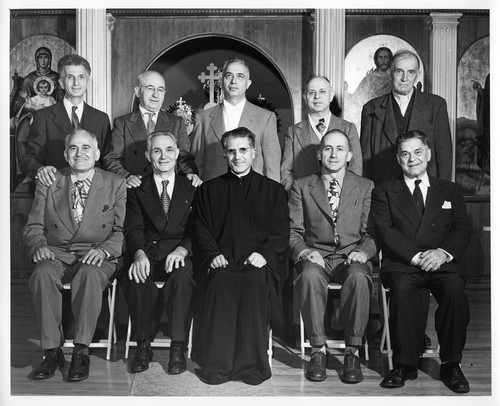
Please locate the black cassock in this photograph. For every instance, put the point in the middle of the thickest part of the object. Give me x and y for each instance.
(236, 217)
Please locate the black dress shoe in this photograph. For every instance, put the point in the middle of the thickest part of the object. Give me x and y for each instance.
(397, 377)
(316, 371)
(79, 368)
(453, 377)
(52, 360)
(352, 368)
(142, 358)
(177, 359)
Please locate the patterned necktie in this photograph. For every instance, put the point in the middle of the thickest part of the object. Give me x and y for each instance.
(151, 123)
(418, 197)
(74, 118)
(321, 126)
(80, 195)
(165, 198)
(333, 197)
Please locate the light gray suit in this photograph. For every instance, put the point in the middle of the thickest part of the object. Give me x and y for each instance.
(301, 145)
(51, 224)
(312, 227)
(207, 149)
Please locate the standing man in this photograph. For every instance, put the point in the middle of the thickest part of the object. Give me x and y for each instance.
(74, 234)
(126, 155)
(241, 227)
(421, 225)
(235, 112)
(159, 249)
(329, 243)
(302, 139)
(45, 142)
(404, 109)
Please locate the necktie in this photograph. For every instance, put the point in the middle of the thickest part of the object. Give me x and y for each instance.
(321, 126)
(151, 123)
(333, 197)
(165, 198)
(418, 197)
(80, 196)
(74, 118)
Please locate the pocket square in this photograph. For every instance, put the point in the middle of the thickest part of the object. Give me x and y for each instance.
(446, 205)
(107, 208)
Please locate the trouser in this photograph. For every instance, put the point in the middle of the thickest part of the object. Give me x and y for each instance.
(142, 297)
(87, 284)
(311, 286)
(407, 317)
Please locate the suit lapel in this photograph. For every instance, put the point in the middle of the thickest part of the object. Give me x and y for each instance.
(162, 121)
(319, 195)
(62, 202)
(402, 198)
(137, 129)
(61, 118)
(178, 203)
(348, 193)
(419, 112)
(148, 194)
(433, 203)
(217, 122)
(385, 114)
(307, 136)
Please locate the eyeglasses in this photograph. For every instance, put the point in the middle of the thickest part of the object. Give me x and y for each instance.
(153, 89)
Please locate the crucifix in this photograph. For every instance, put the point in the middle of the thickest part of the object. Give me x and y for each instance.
(211, 77)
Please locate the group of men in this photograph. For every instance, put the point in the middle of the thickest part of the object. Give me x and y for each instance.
(206, 214)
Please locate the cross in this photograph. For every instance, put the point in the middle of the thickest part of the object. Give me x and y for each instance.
(180, 102)
(211, 77)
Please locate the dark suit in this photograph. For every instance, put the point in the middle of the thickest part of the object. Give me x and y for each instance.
(301, 146)
(51, 224)
(125, 153)
(402, 234)
(379, 132)
(45, 143)
(312, 227)
(147, 229)
(207, 149)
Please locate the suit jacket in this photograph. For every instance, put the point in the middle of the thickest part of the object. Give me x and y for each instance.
(125, 153)
(207, 149)
(51, 222)
(311, 221)
(45, 143)
(400, 232)
(301, 147)
(145, 224)
(379, 133)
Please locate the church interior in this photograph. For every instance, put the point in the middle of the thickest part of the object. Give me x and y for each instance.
(284, 47)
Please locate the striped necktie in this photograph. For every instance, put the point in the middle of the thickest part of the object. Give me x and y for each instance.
(80, 195)
(75, 122)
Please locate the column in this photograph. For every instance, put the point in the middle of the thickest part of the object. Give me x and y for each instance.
(329, 50)
(443, 65)
(91, 43)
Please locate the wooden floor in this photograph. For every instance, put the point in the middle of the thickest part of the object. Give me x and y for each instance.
(112, 378)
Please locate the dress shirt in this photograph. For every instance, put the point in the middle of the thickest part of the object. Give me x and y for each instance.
(232, 114)
(424, 185)
(79, 111)
(145, 116)
(314, 122)
(403, 100)
(159, 185)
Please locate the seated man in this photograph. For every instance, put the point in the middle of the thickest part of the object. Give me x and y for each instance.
(328, 242)
(422, 239)
(158, 249)
(74, 234)
(241, 226)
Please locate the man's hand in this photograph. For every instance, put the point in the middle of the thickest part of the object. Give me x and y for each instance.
(219, 262)
(139, 270)
(195, 179)
(94, 257)
(431, 260)
(356, 257)
(316, 258)
(42, 254)
(133, 181)
(175, 258)
(255, 259)
(46, 175)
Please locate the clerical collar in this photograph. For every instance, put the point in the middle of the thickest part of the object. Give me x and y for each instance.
(73, 177)
(241, 178)
(68, 107)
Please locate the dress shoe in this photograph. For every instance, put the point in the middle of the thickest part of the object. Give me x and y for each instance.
(397, 377)
(316, 371)
(142, 358)
(79, 368)
(352, 368)
(177, 359)
(52, 360)
(452, 376)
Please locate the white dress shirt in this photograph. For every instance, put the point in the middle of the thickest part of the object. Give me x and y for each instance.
(314, 122)
(232, 114)
(403, 100)
(69, 110)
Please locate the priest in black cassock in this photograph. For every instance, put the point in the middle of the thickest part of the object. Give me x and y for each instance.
(241, 236)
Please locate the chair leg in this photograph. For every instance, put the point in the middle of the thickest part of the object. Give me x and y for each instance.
(270, 348)
(386, 335)
(127, 342)
(302, 337)
(111, 327)
(190, 340)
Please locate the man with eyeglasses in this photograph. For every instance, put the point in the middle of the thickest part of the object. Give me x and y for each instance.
(329, 242)
(125, 155)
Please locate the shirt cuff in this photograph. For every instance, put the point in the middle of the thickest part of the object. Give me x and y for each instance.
(303, 254)
(449, 257)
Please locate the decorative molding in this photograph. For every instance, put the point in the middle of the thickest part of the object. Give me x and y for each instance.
(409, 11)
(165, 12)
(110, 22)
(16, 13)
